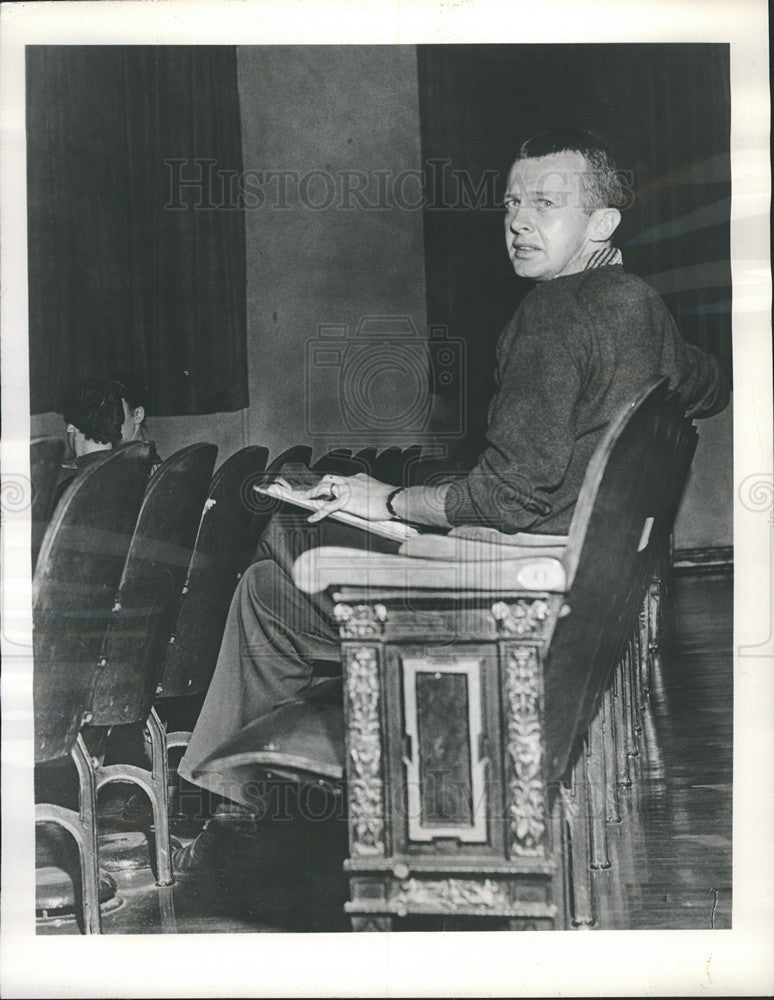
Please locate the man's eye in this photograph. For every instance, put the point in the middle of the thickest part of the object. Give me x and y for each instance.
(545, 203)
(510, 204)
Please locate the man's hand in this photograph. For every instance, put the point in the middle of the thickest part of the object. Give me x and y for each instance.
(358, 494)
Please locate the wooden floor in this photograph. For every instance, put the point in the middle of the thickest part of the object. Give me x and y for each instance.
(671, 854)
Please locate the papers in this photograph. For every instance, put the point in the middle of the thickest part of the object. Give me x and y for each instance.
(395, 530)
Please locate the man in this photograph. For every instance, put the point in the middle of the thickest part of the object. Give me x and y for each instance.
(93, 412)
(91, 409)
(582, 343)
(102, 413)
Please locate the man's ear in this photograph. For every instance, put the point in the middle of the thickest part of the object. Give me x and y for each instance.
(138, 415)
(605, 222)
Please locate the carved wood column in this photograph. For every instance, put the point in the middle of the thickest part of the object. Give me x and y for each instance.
(523, 696)
(363, 721)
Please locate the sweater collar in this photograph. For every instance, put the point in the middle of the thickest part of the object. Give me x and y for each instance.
(605, 257)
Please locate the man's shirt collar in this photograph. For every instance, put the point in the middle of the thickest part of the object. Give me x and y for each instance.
(605, 257)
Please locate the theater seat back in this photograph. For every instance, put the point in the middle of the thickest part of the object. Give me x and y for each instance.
(222, 551)
(74, 588)
(151, 586)
(622, 521)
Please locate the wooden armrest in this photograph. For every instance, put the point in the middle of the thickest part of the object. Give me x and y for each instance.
(328, 566)
(459, 548)
(521, 539)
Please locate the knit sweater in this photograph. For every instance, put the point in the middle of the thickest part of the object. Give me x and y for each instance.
(576, 351)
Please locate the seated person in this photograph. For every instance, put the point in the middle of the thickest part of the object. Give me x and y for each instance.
(102, 413)
(582, 343)
(90, 411)
(94, 414)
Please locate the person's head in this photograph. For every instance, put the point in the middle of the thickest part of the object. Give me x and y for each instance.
(135, 402)
(94, 413)
(562, 203)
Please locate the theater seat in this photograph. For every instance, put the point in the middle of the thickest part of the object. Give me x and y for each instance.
(73, 590)
(302, 740)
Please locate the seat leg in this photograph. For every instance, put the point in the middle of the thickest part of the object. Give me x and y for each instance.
(643, 682)
(628, 668)
(160, 798)
(655, 694)
(167, 910)
(560, 891)
(623, 773)
(595, 780)
(612, 803)
(575, 803)
(640, 653)
(87, 842)
(83, 827)
(653, 599)
(177, 739)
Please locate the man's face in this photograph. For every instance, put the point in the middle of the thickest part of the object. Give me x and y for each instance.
(547, 229)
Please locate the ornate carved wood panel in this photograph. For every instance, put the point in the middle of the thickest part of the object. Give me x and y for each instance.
(523, 708)
(364, 750)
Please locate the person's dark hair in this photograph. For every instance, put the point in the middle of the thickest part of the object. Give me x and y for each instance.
(94, 406)
(602, 184)
(132, 388)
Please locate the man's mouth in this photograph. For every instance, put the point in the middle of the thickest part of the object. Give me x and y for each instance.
(524, 249)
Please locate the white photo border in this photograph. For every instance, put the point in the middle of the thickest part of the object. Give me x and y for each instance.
(645, 963)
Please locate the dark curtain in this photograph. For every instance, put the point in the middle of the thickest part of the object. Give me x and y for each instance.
(665, 110)
(124, 273)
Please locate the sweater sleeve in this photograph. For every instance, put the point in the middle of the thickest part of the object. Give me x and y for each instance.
(703, 387)
(530, 436)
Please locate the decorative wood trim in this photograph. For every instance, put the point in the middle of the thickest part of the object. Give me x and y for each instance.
(524, 617)
(360, 621)
(451, 895)
(526, 799)
(364, 750)
(458, 896)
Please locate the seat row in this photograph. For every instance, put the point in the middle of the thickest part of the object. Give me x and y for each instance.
(131, 591)
(132, 582)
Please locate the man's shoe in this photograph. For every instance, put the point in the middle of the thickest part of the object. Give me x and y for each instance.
(215, 846)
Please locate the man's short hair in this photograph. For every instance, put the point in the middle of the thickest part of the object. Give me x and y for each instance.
(132, 388)
(602, 185)
(94, 406)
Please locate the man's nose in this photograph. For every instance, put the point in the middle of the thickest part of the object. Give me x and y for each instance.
(520, 219)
